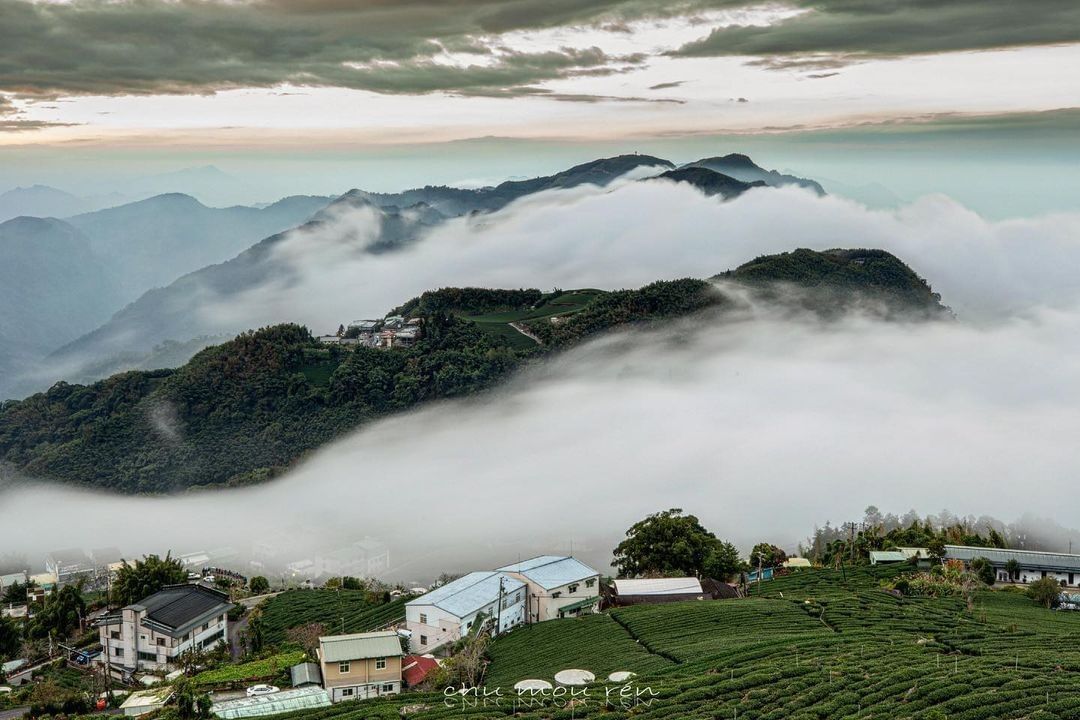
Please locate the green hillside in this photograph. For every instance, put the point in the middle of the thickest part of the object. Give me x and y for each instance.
(341, 611)
(819, 644)
(244, 411)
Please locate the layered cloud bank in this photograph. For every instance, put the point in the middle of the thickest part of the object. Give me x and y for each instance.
(762, 426)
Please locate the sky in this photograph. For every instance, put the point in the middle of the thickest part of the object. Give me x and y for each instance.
(290, 96)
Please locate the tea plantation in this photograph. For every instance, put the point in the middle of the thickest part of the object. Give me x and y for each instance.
(340, 611)
(818, 644)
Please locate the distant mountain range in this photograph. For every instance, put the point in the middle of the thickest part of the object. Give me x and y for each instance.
(242, 412)
(169, 253)
(44, 201)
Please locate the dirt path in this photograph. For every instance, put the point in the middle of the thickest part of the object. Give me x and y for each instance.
(525, 331)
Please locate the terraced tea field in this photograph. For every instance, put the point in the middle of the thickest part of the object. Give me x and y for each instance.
(816, 645)
(340, 611)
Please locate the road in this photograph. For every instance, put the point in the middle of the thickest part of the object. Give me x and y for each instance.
(14, 713)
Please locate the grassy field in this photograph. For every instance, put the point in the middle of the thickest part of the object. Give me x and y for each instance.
(271, 669)
(340, 611)
(815, 645)
(566, 303)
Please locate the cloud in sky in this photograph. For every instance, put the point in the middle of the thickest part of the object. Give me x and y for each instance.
(101, 47)
(834, 32)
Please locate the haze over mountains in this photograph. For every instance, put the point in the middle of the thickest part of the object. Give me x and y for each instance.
(253, 246)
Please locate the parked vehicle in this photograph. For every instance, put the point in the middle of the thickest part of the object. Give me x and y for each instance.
(258, 690)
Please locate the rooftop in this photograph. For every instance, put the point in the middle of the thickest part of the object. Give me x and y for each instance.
(272, 704)
(176, 608)
(887, 556)
(552, 571)
(1034, 559)
(659, 586)
(305, 674)
(469, 593)
(359, 646)
(144, 698)
(416, 667)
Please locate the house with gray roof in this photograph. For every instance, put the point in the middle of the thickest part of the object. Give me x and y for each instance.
(1029, 565)
(494, 600)
(558, 587)
(360, 665)
(152, 633)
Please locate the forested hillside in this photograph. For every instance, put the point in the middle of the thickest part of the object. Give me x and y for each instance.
(244, 411)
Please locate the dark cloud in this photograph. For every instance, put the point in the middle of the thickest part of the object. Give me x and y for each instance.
(198, 46)
(667, 85)
(833, 32)
(10, 122)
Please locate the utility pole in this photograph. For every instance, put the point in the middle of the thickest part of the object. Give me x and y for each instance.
(498, 610)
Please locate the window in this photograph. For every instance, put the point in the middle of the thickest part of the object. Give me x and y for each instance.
(517, 597)
(161, 642)
(423, 639)
(573, 588)
(346, 692)
(590, 582)
(115, 634)
(344, 667)
(556, 595)
(388, 687)
(118, 652)
(423, 618)
(149, 657)
(380, 663)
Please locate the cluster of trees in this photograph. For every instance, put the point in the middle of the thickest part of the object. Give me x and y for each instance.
(836, 280)
(654, 301)
(470, 301)
(137, 580)
(853, 541)
(669, 543)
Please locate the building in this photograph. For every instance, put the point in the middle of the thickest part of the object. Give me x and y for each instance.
(304, 698)
(10, 579)
(1030, 565)
(68, 566)
(416, 669)
(449, 612)
(145, 701)
(362, 665)
(154, 632)
(886, 557)
(643, 591)
(305, 674)
(557, 587)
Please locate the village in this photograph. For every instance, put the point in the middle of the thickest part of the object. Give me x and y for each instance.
(243, 649)
(393, 331)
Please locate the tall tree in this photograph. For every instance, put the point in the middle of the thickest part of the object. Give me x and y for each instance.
(767, 555)
(10, 638)
(146, 577)
(667, 543)
(62, 613)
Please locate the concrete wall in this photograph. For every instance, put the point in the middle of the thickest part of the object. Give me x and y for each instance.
(364, 679)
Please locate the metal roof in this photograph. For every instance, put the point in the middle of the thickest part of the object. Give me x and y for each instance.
(360, 646)
(1033, 559)
(147, 698)
(176, 608)
(552, 571)
(659, 586)
(467, 594)
(305, 674)
(272, 704)
(877, 556)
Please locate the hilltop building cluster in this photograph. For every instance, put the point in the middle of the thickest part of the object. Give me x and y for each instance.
(391, 332)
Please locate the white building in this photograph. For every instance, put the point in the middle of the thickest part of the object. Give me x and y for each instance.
(153, 633)
(1031, 565)
(448, 613)
(69, 565)
(558, 587)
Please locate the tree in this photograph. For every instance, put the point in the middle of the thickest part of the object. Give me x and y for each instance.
(1045, 591)
(190, 704)
(306, 636)
(1013, 568)
(723, 561)
(61, 614)
(767, 555)
(146, 577)
(665, 543)
(984, 570)
(10, 639)
(936, 548)
(259, 585)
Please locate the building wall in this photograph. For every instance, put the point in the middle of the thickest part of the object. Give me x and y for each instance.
(543, 606)
(364, 679)
(443, 627)
(124, 641)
